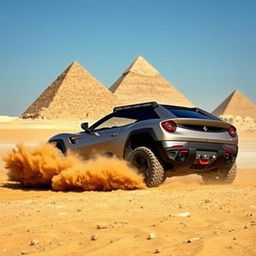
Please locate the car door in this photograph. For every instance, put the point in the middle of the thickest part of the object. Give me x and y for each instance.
(102, 137)
(98, 142)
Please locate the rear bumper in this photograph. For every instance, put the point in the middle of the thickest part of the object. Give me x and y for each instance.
(196, 157)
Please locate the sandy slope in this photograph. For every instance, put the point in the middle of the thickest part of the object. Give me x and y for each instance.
(43, 222)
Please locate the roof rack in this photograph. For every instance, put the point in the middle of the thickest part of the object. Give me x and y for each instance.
(139, 105)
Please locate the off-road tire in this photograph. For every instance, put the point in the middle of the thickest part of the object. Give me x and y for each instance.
(226, 175)
(145, 161)
(164, 178)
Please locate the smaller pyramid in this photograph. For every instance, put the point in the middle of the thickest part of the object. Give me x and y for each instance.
(141, 82)
(75, 94)
(236, 104)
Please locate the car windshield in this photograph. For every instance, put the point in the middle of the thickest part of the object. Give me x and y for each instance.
(187, 113)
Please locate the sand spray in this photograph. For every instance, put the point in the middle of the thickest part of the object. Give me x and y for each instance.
(45, 166)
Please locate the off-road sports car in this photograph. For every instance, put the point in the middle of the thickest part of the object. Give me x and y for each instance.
(161, 141)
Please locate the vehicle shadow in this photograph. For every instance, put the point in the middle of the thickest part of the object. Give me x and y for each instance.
(19, 186)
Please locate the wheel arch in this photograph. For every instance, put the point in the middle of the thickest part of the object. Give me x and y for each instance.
(142, 137)
(59, 144)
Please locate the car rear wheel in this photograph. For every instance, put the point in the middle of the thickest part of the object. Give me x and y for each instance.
(145, 161)
(225, 175)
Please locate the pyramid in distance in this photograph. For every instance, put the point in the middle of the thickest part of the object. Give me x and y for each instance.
(236, 104)
(75, 94)
(141, 82)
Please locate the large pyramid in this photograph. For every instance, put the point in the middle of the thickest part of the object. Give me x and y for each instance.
(236, 104)
(75, 94)
(141, 82)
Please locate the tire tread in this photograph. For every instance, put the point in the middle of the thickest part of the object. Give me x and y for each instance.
(157, 171)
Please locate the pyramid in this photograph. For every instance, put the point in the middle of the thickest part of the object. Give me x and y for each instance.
(75, 94)
(236, 104)
(141, 82)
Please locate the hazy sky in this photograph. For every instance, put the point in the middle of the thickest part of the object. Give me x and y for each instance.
(206, 48)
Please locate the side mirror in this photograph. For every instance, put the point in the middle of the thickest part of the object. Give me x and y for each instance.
(85, 126)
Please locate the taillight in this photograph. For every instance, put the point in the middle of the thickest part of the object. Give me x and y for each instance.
(232, 131)
(169, 126)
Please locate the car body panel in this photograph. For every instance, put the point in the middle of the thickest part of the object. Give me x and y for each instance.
(203, 133)
(99, 142)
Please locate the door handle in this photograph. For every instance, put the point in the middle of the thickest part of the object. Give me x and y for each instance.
(114, 135)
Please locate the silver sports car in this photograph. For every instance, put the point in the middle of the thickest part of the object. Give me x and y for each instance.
(160, 141)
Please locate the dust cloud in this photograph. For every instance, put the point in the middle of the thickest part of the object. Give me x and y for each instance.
(44, 166)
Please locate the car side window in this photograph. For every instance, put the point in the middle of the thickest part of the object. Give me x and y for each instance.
(124, 117)
(115, 122)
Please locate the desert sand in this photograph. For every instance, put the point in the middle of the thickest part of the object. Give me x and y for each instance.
(180, 217)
